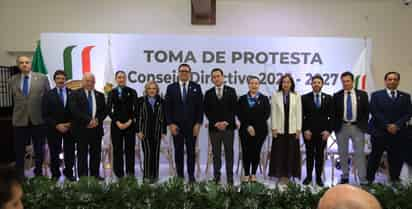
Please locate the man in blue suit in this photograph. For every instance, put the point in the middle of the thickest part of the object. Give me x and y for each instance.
(184, 116)
(390, 109)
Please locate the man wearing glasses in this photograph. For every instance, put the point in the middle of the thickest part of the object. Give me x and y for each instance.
(184, 116)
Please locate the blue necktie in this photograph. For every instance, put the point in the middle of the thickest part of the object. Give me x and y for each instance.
(349, 107)
(61, 96)
(184, 93)
(90, 102)
(317, 101)
(26, 86)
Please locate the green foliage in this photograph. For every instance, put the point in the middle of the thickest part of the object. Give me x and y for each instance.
(88, 193)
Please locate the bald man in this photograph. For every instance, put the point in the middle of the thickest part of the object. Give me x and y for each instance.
(89, 110)
(345, 196)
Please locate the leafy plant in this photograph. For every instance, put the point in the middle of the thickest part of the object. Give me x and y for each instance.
(128, 193)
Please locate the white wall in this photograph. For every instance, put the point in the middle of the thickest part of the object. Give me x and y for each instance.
(387, 22)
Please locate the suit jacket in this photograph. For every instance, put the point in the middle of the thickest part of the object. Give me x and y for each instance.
(223, 109)
(28, 107)
(362, 107)
(385, 111)
(79, 108)
(185, 115)
(278, 114)
(151, 120)
(256, 116)
(54, 111)
(123, 108)
(317, 119)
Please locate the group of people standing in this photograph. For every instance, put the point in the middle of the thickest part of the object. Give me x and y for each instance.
(75, 118)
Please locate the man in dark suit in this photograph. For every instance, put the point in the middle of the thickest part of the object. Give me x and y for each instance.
(351, 122)
(57, 115)
(28, 89)
(88, 109)
(317, 126)
(184, 115)
(391, 110)
(220, 109)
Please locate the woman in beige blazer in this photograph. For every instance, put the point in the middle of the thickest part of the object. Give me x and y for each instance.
(285, 159)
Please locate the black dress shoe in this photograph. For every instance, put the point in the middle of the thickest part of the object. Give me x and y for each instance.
(70, 178)
(319, 182)
(230, 181)
(344, 181)
(216, 180)
(192, 180)
(99, 178)
(307, 181)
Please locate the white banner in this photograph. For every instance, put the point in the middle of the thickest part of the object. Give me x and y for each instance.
(146, 57)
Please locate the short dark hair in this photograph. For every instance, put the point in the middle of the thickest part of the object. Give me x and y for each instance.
(8, 179)
(59, 72)
(287, 75)
(393, 72)
(317, 76)
(347, 73)
(184, 65)
(119, 72)
(216, 70)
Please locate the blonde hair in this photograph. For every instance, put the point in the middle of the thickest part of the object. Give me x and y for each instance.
(147, 85)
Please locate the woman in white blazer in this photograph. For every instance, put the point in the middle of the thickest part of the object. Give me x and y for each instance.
(285, 159)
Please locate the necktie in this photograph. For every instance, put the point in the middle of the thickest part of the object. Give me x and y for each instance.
(90, 102)
(219, 92)
(317, 101)
(349, 107)
(26, 86)
(184, 93)
(393, 95)
(61, 96)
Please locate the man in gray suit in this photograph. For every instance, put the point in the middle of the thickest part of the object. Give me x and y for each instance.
(28, 89)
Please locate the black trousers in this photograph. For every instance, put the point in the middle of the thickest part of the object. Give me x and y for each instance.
(89, 147)
(315, 152)
(392, 144)
(251, 148)
(123, 142)
(217, 138)
(55, 139)
(179, 142)
(24, 136)
(151, 151)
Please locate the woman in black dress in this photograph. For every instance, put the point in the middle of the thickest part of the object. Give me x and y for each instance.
(151, 128)
(253, 112)
(285, 159)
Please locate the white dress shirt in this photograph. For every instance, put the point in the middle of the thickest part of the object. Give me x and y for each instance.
(389, 93)
(94, 102)
(354, 103)
(217, 90)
